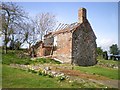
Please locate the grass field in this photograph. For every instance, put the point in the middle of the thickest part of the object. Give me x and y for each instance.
(103, 71)
(110, 73)
(19, 58)
(16, 78)
(101, 60)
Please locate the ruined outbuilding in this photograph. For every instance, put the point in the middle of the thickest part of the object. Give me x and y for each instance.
(74, 43)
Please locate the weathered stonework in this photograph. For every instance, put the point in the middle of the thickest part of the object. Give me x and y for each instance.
(75, 44)
(63, 51)
(84, 46)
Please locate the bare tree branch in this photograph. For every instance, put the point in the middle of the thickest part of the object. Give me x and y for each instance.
(45, 23)
(12, 17)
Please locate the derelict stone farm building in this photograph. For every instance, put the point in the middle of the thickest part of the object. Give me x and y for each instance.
(74, 43)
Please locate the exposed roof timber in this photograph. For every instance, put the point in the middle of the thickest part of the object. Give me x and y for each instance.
(61, 26)
(58, 26)
(73, 24)
(64, 26)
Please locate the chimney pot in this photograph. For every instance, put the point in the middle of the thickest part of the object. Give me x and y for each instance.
(82, 15)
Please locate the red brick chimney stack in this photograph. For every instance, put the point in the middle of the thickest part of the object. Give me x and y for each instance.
(82, 15)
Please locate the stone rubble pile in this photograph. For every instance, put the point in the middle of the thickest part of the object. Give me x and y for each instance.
(115, 66)
(47, 71)
(41, 70)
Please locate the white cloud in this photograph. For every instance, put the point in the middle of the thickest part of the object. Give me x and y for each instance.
(105, 43)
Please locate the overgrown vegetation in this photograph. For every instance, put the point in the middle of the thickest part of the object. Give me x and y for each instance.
(44, 60)
(18, 57)
(15, 57)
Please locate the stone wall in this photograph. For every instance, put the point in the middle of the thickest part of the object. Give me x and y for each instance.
(45, 48)
(84, 46)
(74, 45)
(82, 15)
(40, 52)
(64, 45)
(45, 51)
(48, 41)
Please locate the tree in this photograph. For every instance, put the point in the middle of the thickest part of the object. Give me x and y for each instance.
(99, 51)
(12, 17)
(119, 51)
(105, 55)
(114, 49)
(45, 23)
(30, 35)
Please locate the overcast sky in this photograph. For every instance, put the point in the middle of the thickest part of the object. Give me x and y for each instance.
(103, 17)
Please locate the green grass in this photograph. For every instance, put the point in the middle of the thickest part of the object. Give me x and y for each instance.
(16, 78)
(101, 60)
(110, 73)
(107, 61)
(15, 58)
(44, 60)
(0, 75)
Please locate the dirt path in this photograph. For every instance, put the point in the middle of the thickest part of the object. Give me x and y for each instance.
(110, 83)
(95, 78)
